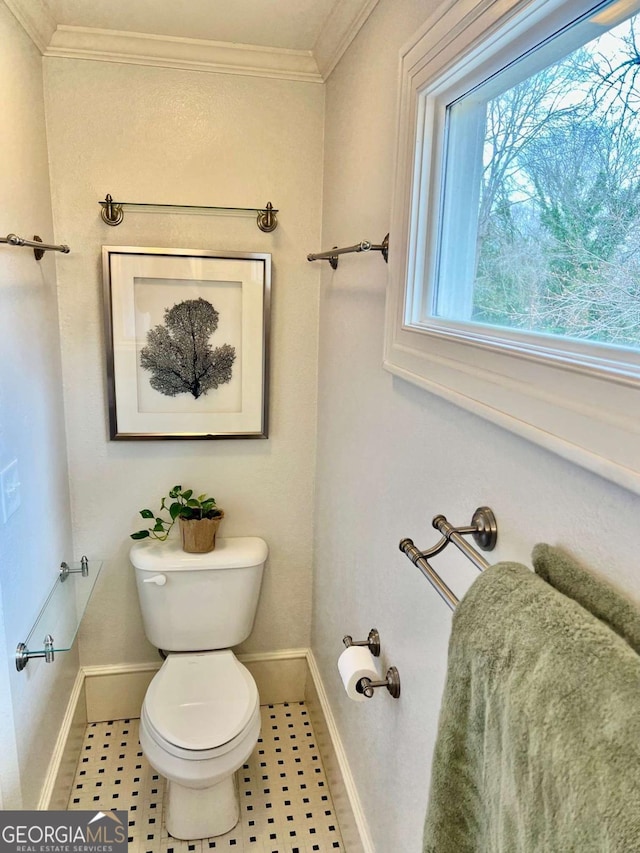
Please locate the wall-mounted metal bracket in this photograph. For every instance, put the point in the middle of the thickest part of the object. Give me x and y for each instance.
(23, 655)
(392, 682)
(65, 571)
(39, 248)
(111, 212)
(362, 246)
(38, 254)
(267, 219)
(372, 641)
(483, 529)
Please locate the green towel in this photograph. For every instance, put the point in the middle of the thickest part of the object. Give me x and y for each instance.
(538, 748)
(592, 592)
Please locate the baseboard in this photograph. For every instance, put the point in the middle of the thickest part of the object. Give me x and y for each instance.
(116, 692)
(66, 754)
(353, 824)
(281, 676)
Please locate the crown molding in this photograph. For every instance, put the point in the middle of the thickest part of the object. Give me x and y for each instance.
(341, 27)
(184, 53)
(35, 19)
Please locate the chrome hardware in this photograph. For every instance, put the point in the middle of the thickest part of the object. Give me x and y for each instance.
(65, 571)
(384, 249)
(38, 254)
(48, 649)
(373, 642)
(112, 212)
(62, 612)
(158, 580)
(362, 246)
(483, 528)
(267, 219)
(392, 682)
(486, 532)
(417, 558)
(39, 248)
(23, 655)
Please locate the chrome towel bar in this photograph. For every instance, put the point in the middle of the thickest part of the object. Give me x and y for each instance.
(484, 530)
(39, 248)
(363, 246)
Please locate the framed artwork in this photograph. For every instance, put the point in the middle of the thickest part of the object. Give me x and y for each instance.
(187, 334)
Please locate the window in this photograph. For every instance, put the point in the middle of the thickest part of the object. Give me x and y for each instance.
(515, 263)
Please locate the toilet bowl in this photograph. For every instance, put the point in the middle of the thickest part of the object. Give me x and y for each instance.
(200, 722)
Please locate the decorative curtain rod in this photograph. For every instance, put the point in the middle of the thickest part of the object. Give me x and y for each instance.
(483, 528)
(363, 246)
(39, 248)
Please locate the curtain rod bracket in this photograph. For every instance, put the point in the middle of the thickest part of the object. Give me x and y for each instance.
(362, 246)
(39, 248)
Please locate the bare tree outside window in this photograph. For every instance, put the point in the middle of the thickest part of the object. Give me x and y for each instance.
(179, 356)
(558, 227)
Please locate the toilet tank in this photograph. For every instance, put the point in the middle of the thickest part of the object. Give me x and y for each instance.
(195, 602)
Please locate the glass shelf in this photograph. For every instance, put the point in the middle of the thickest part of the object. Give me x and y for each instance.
(57, 625)
(112, 212)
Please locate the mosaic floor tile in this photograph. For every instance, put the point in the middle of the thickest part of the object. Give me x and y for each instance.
(285, 801)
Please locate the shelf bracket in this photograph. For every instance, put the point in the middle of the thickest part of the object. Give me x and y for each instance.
(267, 219)
(111, 212)
(65, 571)
(23, 655)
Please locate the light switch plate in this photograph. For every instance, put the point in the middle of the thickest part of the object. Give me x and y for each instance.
(10, 489)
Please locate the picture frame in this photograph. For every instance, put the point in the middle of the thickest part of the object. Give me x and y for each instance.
(187, 340)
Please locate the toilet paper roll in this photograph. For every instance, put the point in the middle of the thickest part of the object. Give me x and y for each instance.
(355, 663)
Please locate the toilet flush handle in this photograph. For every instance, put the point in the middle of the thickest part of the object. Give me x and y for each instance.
(158, 580)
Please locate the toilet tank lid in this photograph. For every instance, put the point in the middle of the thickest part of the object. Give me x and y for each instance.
(237, 553)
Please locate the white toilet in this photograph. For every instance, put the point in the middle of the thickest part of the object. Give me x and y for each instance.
(200, 717)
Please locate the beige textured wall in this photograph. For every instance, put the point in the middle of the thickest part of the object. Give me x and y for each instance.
(391, 456)
(161, 135)
(35, 540)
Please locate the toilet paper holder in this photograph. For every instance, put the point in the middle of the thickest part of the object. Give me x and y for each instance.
(366, 686)
(372, 641)
(392, 683)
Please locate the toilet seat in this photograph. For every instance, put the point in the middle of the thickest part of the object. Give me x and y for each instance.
(200, 705)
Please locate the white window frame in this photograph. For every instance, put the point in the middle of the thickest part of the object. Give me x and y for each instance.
(578, 405)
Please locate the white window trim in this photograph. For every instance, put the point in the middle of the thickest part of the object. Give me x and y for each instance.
(570, 407)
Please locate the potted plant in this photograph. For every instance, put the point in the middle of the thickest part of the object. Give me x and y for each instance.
(198, 518)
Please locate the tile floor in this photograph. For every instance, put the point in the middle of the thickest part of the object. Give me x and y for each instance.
(285, 802)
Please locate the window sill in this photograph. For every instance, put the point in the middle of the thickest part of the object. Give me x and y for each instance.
(583, 418)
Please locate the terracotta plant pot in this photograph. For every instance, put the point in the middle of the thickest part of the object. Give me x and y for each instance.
(199, 534)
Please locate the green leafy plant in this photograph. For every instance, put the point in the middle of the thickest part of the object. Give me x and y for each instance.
(179, 504)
